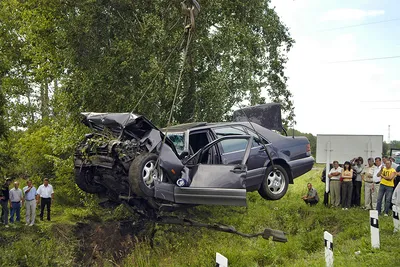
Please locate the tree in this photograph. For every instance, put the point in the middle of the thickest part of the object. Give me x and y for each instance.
(121, 51)
(60, 58)
(311, 138)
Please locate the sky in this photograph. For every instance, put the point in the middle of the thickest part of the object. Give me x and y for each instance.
(332, 95)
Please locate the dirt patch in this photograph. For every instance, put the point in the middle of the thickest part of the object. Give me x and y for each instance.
(108, 242)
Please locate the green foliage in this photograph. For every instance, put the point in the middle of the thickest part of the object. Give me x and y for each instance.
(311, 138)
(31, 151)
(80, 55)
(47, 246)
(304, 225)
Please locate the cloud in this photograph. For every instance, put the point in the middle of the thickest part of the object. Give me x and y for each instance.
(350, 14)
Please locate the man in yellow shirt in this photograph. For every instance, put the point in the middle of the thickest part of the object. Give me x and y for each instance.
(386, 186)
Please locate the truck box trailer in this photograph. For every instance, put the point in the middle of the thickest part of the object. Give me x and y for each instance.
(339, 147)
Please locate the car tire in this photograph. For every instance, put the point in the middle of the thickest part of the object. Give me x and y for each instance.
(84, 180)
(275, 183)
(142, 173)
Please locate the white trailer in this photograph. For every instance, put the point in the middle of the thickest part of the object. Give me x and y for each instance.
(338, 147)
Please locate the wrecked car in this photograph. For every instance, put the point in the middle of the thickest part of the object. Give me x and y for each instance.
(127, 158)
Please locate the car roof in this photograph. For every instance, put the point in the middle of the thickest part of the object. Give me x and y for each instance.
(200, 125)
(269, 134)
(185, 126)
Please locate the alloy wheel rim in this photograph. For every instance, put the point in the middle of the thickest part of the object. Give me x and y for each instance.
(151, 173)
(276, 182)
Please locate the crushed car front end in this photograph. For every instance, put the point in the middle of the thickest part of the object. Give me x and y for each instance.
(105, 159)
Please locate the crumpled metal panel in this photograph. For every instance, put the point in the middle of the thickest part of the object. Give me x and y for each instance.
(109, 119)
(267, 115)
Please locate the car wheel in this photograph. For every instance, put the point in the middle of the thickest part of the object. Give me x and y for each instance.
(142, 173)
(84, 180)
(275, 183)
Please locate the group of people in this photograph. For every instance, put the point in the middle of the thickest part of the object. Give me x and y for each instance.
(29, 197)
(379, 176)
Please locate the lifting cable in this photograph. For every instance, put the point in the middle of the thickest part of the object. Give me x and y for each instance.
(244, 113)
(159, 71)
(188, 28)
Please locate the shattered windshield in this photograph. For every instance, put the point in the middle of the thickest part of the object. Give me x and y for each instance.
(178, 138)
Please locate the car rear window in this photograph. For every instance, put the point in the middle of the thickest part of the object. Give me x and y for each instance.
(232, 145)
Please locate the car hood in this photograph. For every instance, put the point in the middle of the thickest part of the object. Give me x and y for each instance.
(136, 125)
(267, 115)
(111, 120)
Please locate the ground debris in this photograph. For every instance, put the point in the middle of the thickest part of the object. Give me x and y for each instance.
(107, 242)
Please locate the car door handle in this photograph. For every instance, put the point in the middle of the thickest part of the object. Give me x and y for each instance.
(239, 169)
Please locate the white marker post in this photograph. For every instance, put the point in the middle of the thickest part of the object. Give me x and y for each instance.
(396, 221)
(373, 214)
(328, 249)
(327, 166)
(220, 260)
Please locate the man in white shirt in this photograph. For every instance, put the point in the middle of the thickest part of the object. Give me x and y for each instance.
(46, 194)
(334, 183)
(15, 200)
(377, 180)
(30, 203)
(367, 177)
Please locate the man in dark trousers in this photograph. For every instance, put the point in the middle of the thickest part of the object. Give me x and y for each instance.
(312, 196)
(46, 194)
(4, 199)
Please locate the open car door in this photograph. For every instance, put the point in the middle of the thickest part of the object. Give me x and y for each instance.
(212, 184)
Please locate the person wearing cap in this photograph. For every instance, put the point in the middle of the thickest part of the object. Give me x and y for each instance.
(30, 203)
(4, 198)
(46, 194)
(15, 200)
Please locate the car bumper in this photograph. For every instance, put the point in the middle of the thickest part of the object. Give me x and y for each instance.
(301, 166)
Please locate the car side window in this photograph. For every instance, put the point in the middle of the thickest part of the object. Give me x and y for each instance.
(256, 140)
(231, 145)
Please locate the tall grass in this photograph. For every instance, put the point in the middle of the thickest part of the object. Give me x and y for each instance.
(56, 243)
(304, 225)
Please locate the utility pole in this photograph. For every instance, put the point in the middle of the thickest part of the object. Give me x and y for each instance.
(389, 137)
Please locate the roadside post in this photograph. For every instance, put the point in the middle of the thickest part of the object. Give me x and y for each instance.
(374, 221)
(220, 260)
(328, 249)
(327, 169)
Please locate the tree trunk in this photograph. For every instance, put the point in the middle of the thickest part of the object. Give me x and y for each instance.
(44, 100)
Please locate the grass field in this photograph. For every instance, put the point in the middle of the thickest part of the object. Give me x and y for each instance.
(63, 242)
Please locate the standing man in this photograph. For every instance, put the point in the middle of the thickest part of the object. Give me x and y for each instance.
(334, 184)
(367, 177)
(387, 175)
(30, 203)
(377, 180)
(46, 194)
(15, 199)
(312, 196)
(4, 198)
